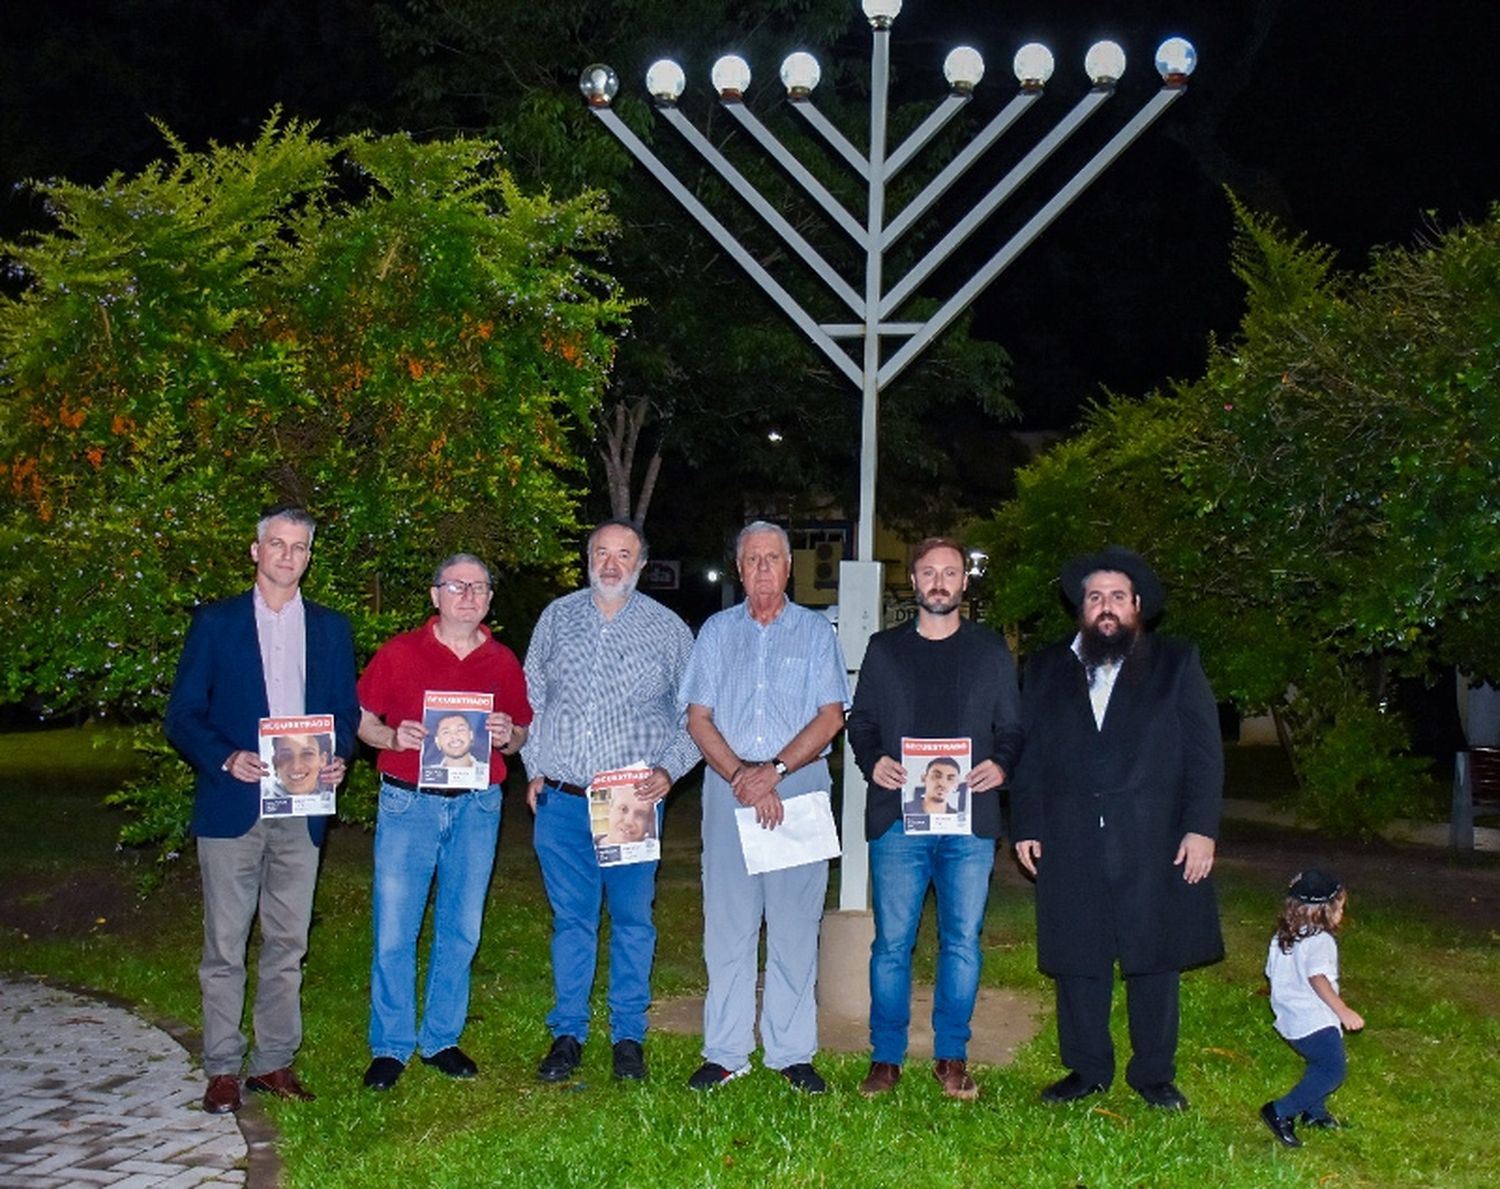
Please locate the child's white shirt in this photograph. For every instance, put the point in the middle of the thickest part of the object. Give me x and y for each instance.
(1299, 1011)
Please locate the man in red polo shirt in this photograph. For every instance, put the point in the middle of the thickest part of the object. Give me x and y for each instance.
(448, 832)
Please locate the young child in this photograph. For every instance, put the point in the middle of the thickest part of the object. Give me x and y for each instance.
(1303, 968)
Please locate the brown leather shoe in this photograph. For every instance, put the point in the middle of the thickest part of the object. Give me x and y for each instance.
(281, 1082)
(955, 1078)
(223, 1094)
(883, 1076)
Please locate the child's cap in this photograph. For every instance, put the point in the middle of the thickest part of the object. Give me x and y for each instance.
(1314, 887)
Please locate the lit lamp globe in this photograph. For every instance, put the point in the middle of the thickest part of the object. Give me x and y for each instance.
(963, 68)
(800, 73)
(881, 12)
(1033, 66)
(599, 83)
(1104, 63)
(1175, 60)
(731, 77)
(665, 81)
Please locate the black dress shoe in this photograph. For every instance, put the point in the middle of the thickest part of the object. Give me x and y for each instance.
(383, 1073)
(1325, 1121)
(804, 1077)
(1281, 1128)
(452, 1061)
(561, 1060)
(1165, 1095)
(630, 1061)
(1071, 1088)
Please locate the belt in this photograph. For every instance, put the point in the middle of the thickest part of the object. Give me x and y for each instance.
(430, 791)
(562, 786)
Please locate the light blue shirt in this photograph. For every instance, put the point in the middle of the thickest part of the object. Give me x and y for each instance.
(604, 692)
(764, 683)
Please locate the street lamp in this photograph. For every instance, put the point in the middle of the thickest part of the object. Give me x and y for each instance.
(872, 303)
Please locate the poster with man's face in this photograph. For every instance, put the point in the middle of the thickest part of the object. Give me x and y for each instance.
(456, 748)
(935, 798)
(296, 750)
(625, 828)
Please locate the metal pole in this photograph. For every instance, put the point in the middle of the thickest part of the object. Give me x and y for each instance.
(860, 585)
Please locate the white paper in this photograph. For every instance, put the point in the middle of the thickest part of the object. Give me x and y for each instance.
(806, 834)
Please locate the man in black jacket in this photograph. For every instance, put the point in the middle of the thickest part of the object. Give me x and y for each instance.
(938, 677)
(1115, 807)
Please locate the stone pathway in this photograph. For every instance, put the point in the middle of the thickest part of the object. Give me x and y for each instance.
(91, 1094)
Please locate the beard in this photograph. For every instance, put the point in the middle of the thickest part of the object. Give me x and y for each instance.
(938, 602)
(1100, 649)
(614, 591)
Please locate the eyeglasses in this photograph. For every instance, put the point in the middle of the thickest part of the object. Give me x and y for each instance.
(478, 589)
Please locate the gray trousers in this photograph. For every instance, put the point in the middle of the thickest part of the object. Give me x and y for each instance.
(735, 903)
(271, 869)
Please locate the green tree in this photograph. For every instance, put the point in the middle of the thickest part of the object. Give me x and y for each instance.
(1324, 502)
(392, 333)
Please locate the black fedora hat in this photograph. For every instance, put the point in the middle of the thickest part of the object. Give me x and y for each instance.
(1121, 560)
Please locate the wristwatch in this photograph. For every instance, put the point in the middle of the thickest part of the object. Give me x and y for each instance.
(780, 765)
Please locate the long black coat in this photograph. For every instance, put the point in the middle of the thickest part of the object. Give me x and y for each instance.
(1110, 807)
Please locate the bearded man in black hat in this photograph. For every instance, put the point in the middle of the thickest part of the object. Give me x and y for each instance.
(1115, 807)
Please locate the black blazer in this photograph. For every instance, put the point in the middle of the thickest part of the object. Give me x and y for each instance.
(989, 714)
(1154, 772)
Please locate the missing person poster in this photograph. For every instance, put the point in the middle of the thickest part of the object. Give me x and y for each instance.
(456, 751)
(936, 797)
(296, 750)
(625, 828)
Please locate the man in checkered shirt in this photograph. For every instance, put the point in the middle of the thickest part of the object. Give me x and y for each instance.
(602, 674)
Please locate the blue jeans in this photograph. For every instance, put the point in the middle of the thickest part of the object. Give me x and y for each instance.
(902, 866)
(419, 836)
(576, 887)
(1323, 1051)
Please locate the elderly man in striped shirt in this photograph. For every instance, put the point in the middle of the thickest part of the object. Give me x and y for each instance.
(602, 672)
(766, 693)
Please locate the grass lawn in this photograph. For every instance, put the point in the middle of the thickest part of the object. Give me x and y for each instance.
(1422, 1079)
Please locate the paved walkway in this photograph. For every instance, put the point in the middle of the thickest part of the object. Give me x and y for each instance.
(91, 1094)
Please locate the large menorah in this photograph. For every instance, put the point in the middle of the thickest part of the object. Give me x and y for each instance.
(874, 308)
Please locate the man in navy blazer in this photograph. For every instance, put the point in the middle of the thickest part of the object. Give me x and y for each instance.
(265, 653)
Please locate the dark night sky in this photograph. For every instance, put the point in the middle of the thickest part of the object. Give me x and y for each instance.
(1356, 123)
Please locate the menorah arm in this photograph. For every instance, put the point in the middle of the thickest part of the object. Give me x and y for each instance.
(956, 168)
(800, 173)
(987, 205)
(836, 139)
(788, 304)
(930, 127)
(1034, 227)
(774, 218)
